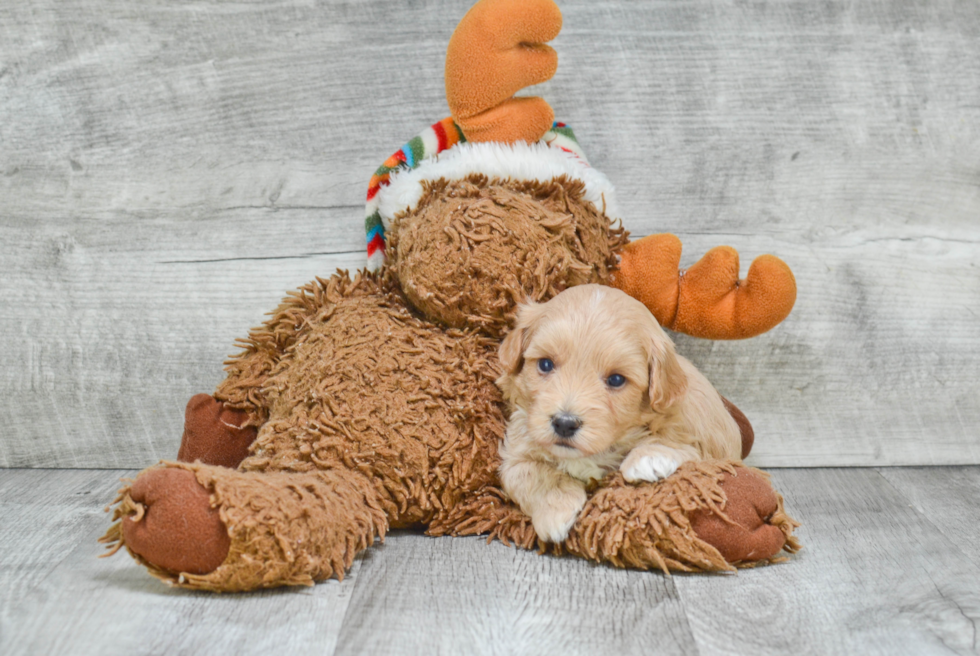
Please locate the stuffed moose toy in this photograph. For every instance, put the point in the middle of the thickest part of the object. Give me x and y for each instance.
(369, 403)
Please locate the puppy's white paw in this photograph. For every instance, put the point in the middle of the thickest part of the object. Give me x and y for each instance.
(554, 519)
(649, 468)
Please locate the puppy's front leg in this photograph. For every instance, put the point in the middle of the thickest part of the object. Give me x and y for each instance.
(650, 461)
(551, 498)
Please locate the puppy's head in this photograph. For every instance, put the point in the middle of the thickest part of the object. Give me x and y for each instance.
(586, 369)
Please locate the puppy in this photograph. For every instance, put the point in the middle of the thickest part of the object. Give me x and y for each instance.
(594, 384)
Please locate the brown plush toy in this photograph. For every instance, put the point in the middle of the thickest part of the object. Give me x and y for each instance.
(367, 404)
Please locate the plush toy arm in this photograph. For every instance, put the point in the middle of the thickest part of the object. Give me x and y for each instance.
(219, 429)
(708, 300)
(265, 345)
(707, 516)
(497, 50)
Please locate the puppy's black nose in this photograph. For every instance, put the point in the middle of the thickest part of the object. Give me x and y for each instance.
(565, 425)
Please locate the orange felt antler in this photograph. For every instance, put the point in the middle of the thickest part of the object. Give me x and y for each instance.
(708, 300)
(497, 50)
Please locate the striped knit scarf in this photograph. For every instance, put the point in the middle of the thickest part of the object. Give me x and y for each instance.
(433, 140)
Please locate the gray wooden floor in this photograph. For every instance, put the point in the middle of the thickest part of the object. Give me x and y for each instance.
(891, 566)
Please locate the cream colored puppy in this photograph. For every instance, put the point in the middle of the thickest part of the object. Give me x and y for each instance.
(594, 384)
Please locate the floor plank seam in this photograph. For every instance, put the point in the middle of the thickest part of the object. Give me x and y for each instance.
(926, 518)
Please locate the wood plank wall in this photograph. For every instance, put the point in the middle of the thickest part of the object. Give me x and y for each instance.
(169, 169)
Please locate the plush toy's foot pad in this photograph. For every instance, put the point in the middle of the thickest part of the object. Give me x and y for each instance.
(213, 433)
(755, 529)
(172, 525)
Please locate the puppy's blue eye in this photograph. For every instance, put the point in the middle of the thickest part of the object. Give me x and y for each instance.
(545, 365)
(616, 380)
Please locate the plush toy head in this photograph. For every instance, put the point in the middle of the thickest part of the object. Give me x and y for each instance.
(467, 247)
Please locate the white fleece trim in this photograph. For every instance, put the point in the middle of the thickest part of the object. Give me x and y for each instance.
(519, 161)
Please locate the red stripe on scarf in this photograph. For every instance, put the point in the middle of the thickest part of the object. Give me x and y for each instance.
(377, 243)
(440, 135)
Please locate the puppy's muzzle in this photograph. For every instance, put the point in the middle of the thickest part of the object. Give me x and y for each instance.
(565, 425)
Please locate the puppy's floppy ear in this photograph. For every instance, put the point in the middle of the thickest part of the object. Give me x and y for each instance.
(668, 382)
(511, 352)
(512, 349)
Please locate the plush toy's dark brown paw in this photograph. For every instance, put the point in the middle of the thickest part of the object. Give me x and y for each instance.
(744, 427)
(748, 536)
(174, 526)
(213, 433)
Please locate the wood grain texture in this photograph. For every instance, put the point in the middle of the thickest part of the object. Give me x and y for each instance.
(875, 577)
(169, 170)
(45, 513)
(421, 595)
(117, 325)
(948, 497)
(57, 597)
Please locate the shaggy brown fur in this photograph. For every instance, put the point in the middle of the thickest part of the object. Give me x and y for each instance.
(449, 251)
(372, 388)
(372, 416)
